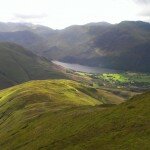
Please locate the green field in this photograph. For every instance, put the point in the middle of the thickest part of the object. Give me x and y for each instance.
(115, 78)
(136, 79)
(139, 80)
(61, 115)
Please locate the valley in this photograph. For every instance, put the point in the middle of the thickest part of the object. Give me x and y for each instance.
(122, 46)
(85, 87)
(99, 77)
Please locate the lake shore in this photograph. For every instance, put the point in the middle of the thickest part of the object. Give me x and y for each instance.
(82, 68)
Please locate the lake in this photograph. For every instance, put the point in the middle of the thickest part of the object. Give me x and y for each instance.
(87, 69)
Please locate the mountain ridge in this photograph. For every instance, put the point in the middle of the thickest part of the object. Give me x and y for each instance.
(93, 44)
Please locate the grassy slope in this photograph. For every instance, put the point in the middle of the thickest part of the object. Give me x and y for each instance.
(19, 65)
(57, 115)
(105, 91)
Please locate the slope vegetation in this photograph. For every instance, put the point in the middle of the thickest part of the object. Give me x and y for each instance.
(19, 65)
(57, 115)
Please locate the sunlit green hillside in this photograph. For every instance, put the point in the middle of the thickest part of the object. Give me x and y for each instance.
(61, 115)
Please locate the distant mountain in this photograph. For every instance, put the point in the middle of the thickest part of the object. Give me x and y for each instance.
(13, 27)
(60, 115)
(18, 65)
(32, 37)
(98, 24)
(123, 46)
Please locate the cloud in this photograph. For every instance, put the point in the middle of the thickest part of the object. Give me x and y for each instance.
(142, 1)
(30, 16)
(145, 13)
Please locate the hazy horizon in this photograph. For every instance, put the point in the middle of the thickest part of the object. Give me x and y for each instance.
(30, 23)
(60, 14)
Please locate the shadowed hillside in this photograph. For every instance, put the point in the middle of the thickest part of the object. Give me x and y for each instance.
(18, 65)
(123, 46)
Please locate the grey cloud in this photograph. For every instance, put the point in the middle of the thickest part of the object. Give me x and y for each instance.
(144, 6)
(25, 16)
(145, 13)
(142, 1)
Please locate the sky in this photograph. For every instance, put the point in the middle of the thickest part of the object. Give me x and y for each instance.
(59, 14)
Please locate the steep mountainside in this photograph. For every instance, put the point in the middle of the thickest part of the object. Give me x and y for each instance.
(59, 115)
(123, 46)
(32, 37)
(18, 65)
